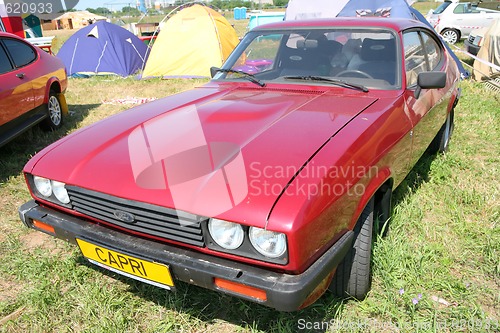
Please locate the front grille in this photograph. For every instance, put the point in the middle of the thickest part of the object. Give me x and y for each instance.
(148, 219)
(471, 39)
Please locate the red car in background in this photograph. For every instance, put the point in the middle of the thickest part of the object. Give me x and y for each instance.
(266, 182)
(32, 86)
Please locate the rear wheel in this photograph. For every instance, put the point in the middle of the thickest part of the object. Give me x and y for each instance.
(450, 35)
(353, 275)
(442, 139)
(54, 113)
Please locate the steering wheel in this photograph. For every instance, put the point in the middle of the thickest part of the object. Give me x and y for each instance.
(355, 71)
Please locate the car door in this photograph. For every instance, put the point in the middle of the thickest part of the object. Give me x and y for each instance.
(427, 111)
(16, 90)
(468, 18)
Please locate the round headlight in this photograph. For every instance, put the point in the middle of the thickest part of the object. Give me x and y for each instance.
(269, 243)
(228, 235)
(43, 186)
(60, 192)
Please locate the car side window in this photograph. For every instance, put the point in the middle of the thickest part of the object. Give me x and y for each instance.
(432, 51)
(459, 9)
(465, 8)
(5, 65)
(21, 53)
(414, 57)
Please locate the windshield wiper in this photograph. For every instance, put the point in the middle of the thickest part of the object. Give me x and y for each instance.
(325, 79)
(247, 76)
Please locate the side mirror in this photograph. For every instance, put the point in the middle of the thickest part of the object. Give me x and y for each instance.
(430, 80)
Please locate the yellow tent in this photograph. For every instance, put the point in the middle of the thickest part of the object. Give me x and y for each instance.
(190, 42)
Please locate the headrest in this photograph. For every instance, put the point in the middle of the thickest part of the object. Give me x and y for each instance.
(330, 47)
(307, 44)
(378, 50)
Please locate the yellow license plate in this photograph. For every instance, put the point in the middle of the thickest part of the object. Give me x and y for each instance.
(135, 268)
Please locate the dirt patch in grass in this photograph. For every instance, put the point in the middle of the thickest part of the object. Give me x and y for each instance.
(36, 239)
(488, 298)
(223, 327)
(9, 289)
(10, 204)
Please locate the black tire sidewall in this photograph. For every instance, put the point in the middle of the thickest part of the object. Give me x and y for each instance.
(447, 130)
(353, 275)
(441, 142)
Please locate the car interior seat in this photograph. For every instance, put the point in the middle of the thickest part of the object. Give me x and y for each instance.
(378, 59)
(308, 58)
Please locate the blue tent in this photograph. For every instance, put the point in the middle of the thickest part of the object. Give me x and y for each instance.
(303, 9)
(103, 48)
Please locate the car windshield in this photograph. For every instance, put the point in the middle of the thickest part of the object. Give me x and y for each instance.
(352, 58)
(442, 7)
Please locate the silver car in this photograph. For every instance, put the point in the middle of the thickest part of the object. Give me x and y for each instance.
(455, 20)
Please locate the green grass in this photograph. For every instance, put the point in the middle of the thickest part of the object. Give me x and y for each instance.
(425, 6)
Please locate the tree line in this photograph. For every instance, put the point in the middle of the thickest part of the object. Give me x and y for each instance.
(218, 4)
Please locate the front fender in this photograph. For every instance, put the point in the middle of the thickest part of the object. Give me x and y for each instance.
(327, 197)
(452, 27)
(381, 177)
(54, 84)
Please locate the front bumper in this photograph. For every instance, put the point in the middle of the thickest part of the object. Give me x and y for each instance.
(284, 292)
(471, 48)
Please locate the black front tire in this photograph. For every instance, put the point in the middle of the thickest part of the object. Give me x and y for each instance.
(54, 117)
(353, 275)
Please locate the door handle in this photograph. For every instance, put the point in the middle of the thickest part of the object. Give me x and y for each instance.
(20, 75)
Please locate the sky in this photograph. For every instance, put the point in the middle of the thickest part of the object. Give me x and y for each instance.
(84, 4)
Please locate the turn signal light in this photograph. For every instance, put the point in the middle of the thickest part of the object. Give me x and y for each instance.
(241, 289)
(43, 226)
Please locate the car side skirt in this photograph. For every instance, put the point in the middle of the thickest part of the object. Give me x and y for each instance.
(18, 126)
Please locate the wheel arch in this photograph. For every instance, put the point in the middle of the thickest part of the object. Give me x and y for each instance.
(454, 100)
(380, 188)
(54, 85)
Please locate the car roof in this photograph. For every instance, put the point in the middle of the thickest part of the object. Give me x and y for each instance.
(397, 24)
(8, 34)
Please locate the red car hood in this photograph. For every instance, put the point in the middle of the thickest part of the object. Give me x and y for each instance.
(228, 153)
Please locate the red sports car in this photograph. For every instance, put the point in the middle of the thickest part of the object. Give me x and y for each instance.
(32, 86)
(264, 186)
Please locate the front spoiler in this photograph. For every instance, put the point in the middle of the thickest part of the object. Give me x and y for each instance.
(285, 292)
